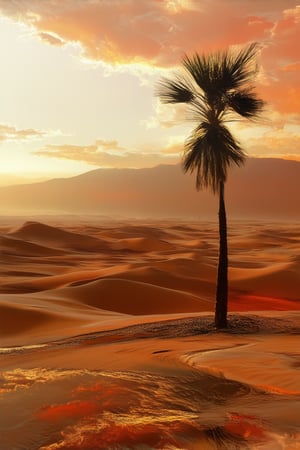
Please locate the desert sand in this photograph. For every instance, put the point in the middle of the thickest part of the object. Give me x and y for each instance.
(107, 338)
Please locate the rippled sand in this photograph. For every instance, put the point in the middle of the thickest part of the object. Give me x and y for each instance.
(107, 337)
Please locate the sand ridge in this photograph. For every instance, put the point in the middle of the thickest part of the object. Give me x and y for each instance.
(40, 233)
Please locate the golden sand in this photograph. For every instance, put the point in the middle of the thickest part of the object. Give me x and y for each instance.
(107, 337)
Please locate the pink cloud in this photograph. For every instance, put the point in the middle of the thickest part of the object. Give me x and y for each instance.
(158, 33)
(281, 62)
(130, 30)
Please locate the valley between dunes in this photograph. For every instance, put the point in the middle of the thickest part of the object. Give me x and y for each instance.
(107, 337)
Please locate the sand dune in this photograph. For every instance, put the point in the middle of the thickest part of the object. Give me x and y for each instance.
(107, 337)
(18, 319)
(18, 247)
(142, 244)
(145, 269)
(195, 244)
(142, 269)
(244, 274)
(189, 267)
(75, 277)
(262, 241)
(112, 294)
(32, 320)
(35, 318)
(279, 280)
(151, 231)
(40, 233)
(170, 279)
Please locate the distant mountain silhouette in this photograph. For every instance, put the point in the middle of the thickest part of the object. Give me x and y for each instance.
(263, 188)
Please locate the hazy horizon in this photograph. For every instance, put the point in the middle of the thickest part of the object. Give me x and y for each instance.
(162, 191)
(7, 180)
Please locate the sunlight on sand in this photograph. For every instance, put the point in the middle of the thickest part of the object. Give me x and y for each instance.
(80, 409)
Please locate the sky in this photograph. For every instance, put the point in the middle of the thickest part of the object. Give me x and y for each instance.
(78, 77)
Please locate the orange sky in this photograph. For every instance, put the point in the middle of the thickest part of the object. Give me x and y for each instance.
(78, 76)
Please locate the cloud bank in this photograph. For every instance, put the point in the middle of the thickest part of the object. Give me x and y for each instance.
(158, 33)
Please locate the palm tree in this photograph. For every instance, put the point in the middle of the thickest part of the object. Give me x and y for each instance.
(218, 87)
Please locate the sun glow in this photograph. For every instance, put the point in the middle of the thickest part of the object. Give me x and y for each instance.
(58, 73)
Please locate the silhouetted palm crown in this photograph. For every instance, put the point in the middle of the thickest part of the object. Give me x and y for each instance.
(216, 86)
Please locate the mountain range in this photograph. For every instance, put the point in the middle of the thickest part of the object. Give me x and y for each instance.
(263, 188)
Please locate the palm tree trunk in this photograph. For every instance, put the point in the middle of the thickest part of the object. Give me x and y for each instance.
(222, 281)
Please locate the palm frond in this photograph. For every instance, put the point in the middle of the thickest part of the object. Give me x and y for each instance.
(198, 109)
(178, 90)
(242, 67)
(221, 72)
(245, 103)
(202, 71)
(210, 151)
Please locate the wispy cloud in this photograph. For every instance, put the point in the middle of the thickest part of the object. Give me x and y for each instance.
(10, 133)
(280, 143)
(166, 116)
(107, 154)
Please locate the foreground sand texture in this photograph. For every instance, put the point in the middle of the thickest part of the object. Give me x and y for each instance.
(107, 336)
